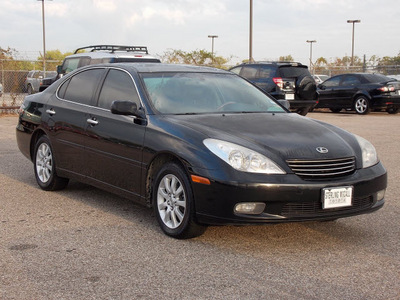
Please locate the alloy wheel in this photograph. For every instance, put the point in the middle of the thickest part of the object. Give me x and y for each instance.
(44, 162)
(361, 105)
(171, 201)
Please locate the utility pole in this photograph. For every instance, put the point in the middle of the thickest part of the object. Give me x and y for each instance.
(44, 39)
(311, 42)
(212, 45)
(251, 33)
(352, 43)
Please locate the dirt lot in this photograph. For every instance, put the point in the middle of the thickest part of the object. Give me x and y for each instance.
(84, 243)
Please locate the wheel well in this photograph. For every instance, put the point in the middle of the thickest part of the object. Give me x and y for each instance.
(153, 169)
(35, 137)
(361, 95)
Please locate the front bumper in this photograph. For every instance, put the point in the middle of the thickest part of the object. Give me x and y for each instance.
(292, 199)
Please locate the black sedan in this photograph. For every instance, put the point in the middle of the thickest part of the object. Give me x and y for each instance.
(199, 145)
(360, 92)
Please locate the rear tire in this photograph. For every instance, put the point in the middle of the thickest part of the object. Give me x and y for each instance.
(392, 110)
(44, 166)
(335, 110)
(173, 203)
(302, 111)
(361, 105)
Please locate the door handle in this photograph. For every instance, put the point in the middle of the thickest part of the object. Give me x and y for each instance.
(92, 122)
(51, 112)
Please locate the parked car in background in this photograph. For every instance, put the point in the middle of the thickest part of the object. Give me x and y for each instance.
(34, 80)
(397, 77)
(199, 145)
(320, 78)
(283, 80)
(360, 92)
(99, 54)
(1, 90)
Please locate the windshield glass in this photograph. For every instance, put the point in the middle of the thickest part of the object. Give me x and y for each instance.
(191, 93)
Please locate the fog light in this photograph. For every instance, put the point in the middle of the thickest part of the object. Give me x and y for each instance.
(380, 195)
(249, 208)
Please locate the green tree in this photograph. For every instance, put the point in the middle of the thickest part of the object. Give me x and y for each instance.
(286, 58)
(196, 57)
(53, 59)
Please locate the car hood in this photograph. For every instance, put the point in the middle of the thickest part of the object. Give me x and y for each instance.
(288, 136)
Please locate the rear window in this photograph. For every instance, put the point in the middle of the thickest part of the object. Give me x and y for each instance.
(376, 78)
(290, 71)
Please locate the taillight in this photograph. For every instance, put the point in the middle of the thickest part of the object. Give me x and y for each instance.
(388, 88)
(278, 81)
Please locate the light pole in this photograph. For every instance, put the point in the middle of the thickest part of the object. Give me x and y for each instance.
(212, 45)
(311, 42)
(44, 39)
(251, 33)
(352, 43)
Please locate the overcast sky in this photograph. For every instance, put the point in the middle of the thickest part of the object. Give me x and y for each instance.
(279, 27)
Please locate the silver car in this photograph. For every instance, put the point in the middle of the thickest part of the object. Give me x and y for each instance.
(34, 80)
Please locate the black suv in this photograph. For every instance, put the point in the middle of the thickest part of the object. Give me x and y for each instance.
(100, 54)
(283, 80)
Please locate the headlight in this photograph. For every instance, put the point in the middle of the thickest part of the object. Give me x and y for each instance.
(241, 158)
(369, 156)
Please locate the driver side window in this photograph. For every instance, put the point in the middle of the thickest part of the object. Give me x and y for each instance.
(118, 85)
(333, 82)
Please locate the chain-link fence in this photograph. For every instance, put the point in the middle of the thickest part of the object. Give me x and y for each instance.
(14, 88)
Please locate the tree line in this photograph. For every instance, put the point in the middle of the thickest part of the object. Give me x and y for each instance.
(195, 57)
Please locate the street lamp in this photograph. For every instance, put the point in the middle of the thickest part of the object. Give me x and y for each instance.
(251, 33)
(352, 43)
(311, 42)
(212, 45)
(44, 39)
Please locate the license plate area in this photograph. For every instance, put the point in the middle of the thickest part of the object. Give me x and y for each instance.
(337, 197)
(289, 96)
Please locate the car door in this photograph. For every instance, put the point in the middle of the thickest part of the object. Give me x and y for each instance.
(67, 112)
(348, 88)
(114, 143)
(329, 92)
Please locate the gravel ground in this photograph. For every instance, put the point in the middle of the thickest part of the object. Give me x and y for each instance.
(84, 243)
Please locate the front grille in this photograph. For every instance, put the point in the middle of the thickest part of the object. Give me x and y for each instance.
(314, 209)
(323, 169)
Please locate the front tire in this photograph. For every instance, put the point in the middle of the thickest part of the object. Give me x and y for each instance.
(173, 203)
(44, 167)
(361, 105)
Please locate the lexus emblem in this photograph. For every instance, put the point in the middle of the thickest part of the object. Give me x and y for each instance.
(322, 150)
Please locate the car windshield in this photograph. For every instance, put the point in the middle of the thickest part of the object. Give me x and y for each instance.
(192, 93)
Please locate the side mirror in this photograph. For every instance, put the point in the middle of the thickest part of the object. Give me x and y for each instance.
(59, 69)
(126, 108)
(321, 86)
(284, 103)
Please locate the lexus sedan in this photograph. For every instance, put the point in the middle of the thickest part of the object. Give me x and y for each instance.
(360, 92)
(199, 145)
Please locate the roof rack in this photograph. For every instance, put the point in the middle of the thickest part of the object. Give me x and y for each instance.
(113, 48)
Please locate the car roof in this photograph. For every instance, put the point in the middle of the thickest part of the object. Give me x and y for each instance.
(275, 63)
(157, 67)
(111, 55)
